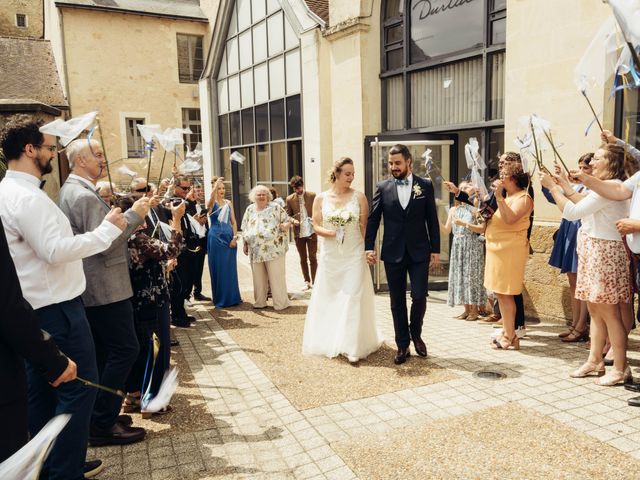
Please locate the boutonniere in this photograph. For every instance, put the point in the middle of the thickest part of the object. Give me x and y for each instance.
(417, 191)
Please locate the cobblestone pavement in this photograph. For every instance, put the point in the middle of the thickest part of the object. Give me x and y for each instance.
(259, 434)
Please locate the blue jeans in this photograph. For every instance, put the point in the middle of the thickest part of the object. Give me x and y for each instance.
(67, 323)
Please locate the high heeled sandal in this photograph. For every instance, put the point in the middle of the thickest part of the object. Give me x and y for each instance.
(503, 343)
(575, 336)
(472, 317)
(462, 316)
(614, 377)
(566, 333)
(588, 368)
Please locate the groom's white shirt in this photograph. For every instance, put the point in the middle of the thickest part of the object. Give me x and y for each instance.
(404, 191)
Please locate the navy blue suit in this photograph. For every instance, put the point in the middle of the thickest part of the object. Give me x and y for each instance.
(411, 235)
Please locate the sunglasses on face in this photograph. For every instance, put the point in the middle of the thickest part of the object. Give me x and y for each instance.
(146, 189)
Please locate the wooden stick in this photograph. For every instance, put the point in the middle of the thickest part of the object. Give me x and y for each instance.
(584, 94)
(118, 393)
(106, 160)
(555, 151)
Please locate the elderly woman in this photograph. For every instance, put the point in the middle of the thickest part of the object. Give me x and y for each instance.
(507, 245)
(603, 266)
(264, 233)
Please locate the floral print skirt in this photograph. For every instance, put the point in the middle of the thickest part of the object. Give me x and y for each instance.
(603, 271)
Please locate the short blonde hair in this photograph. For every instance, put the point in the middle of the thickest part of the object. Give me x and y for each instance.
(254, 190)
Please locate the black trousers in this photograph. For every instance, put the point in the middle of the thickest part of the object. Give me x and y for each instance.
(182, 283)
(411, 327)
(519, 299)
(199, 267)
(116, 351)
(13, 418)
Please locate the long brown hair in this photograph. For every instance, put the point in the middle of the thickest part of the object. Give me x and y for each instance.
(614, 154)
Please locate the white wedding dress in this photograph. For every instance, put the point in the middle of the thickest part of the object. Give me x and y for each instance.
(341, 314)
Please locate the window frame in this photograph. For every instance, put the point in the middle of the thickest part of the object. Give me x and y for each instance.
(193, 75)
(24, 18)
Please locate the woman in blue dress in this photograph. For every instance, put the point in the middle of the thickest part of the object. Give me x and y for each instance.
(564, 257)
(222, 245)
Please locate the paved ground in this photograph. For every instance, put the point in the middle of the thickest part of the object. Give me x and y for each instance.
(535, 423)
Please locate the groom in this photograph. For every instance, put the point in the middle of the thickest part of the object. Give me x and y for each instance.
(411, 242)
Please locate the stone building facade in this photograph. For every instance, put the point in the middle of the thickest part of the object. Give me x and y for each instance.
(22, 18)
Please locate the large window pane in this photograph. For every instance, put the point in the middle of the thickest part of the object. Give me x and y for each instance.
(247, 126)
(448, 95)
(225, 153)
(276, 110)
(234, 128)
(246, 57)
(246, 85)
(272, 6)
(223, 65)
(243, 175)
(394, 59)
(292, 60)
(261, 83)
(276, 34)
(262, 123)
(447, 30)
(293, 117)
(223, 97)
(258, 10)
(260, 42)
(294, 158)
(395, 103)
(498, 5)
(290, 38)
(223, 130)
(244, 14)
(279, 162)
(393, 8)
(499, 31)
(263, 165)
(497, 86)
(393, 34)
(234, 93)
(276, 78)
(232, 55)
(233, 25)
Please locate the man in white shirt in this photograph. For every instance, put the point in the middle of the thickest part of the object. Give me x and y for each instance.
(107, 298)
(48, 257)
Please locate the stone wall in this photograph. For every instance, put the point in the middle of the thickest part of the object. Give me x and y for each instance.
(31, 8)
(546, 291)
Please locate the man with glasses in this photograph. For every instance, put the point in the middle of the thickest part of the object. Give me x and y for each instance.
(107, 298)
(47, 257)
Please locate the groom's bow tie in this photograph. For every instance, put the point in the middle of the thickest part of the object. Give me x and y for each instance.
(404, 181)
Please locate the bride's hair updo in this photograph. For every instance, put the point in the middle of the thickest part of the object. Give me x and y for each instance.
(337, 168)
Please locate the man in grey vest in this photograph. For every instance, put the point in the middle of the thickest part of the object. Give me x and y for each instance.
(107, 297)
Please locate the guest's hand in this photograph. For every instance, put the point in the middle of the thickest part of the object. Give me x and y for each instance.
(547, 180)
(116, 217)
(499, 186)
(578, 176)
(233, 243)
(172, 264)
(154, 201)
(245, 248)
(295, 222)
(191, 195)
(608, 137)
(70, 373)
(284, 226)
(141, 206)
(451, 187)
(177, 211)
(457, 221)
(371, 257)
(562, 178)
(627, 225)
(434, 261)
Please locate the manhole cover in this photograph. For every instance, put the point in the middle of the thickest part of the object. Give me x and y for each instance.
(489, 375)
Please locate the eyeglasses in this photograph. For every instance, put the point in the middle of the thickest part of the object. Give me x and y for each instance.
(146, 189)
(181, 187)
(51, 148)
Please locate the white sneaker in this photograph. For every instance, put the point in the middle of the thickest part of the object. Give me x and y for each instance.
(353, 359)
(307, 286)
(521, 332)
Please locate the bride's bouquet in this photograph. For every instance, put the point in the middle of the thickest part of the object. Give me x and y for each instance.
(339, 219)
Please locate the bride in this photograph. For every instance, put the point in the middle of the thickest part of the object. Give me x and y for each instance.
(341, 314)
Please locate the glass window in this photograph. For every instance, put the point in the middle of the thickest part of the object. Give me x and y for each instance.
(244, 14)
(292, 60)
(247, 126)
(191, 120)
(394, 34)
(246, 86)
(294, 127)
(393, 8)
(262, 123)
(395, 103)
(496, 96)
(233, 24)
(246, 56)
(294, 158)
(276, 78)
(226, 169)
(258, 10)
(272, 6)
(260, 42)
(276, 110)
(276, 34)
(223, 97)
(263, 165)
(223, 65)
(394, 59)
(290, 38)
(223, 130)
(234, 93)
(498, 5)
(440, 32)
(232, 55)
(234, 128)
(499, 31)
(261, 83)
(496, 148)
(135, 142)
(190, 58)
(279, 162)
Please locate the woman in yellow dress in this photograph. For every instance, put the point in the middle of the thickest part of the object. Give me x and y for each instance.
(507, 244)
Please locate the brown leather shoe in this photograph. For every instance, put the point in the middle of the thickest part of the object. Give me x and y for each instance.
(420, 347)
(401, 356)
(119, 434)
